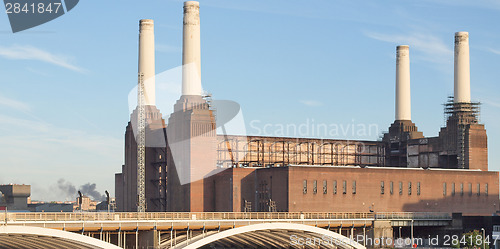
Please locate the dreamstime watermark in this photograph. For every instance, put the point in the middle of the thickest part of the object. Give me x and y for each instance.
(311, 129)
(26, 14)
(446, 240)
(359, 239)
(229, 120)
(168, 84)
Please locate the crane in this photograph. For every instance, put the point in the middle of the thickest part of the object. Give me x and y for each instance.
(141, 146)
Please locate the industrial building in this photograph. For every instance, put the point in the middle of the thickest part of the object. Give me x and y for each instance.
(198, 170)
(51, 206)
(14, 196)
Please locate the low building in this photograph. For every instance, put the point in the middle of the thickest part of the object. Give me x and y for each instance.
(85, 204)
(51, 207)
(14, 196)
(106, 206)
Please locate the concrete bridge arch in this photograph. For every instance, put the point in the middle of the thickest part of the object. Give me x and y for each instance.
(272, 235)
(20, 237)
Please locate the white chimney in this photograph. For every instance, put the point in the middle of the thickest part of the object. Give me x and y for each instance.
(462, 68)
(147, 59)
(191, 56)
(403, 99)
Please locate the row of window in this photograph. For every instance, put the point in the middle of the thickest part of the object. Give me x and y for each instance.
(391, 188)
(478, 189)
(325, 187)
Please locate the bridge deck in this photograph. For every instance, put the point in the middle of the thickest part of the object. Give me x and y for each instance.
(168, 230)
(89, 221)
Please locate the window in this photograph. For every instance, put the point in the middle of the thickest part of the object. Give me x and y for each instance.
(478, 189)
(382, 187)
(470, 189)
(444, 188)
(354, 187)
(391, 188)
(315, 187)
(325, 186)
(418, 188)
(400, 188)
(344, 187)
(462, 188)
(335, 187)
(453, 189)
(305, 187)
(486, 189)
(409, 188)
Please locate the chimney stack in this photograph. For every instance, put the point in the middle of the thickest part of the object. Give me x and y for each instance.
(191, 55)
(147, 59)
(403, 99)
(462, 68)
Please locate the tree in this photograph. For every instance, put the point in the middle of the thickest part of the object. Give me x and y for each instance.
(471, 239)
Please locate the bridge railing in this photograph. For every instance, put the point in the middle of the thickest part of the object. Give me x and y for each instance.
(93, 216)
(413, 216)
(102, 216)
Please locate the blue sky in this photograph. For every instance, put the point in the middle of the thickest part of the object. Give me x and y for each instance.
(65, 84)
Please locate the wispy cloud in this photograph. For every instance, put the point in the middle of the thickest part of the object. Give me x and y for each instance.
(311, 103)
(483, 4)
(28, 142)
(491, 103)
(24, 124)
(164, 48)
(14, 104)
(495, 51)
(431, 47)
(45, 132)
(168, 26)
(37, 71)
(18, 52)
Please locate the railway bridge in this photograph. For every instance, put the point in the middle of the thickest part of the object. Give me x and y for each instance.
(208, 230)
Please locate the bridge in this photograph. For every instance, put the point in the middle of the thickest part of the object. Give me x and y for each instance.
(218, 229)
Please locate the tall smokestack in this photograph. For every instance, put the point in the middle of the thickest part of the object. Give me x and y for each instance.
(191, 56)
(147, 59)
(462, 68)
(403, 99)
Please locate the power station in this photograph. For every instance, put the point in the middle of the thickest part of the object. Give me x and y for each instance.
(198, 170)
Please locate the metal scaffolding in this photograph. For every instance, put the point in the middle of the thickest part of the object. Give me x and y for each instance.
(141, 147)
(465, 112)
(242, 151)
(460, 115)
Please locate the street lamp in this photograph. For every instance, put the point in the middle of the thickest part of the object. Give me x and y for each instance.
(482, 239)
(412, 232)
(400, 232)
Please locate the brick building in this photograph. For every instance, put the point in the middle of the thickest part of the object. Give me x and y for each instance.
(191, 168)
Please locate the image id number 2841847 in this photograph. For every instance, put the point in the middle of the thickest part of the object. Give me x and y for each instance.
(38, 8)
(455, 240)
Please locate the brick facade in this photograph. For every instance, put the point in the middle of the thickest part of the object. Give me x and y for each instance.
(354, 189)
